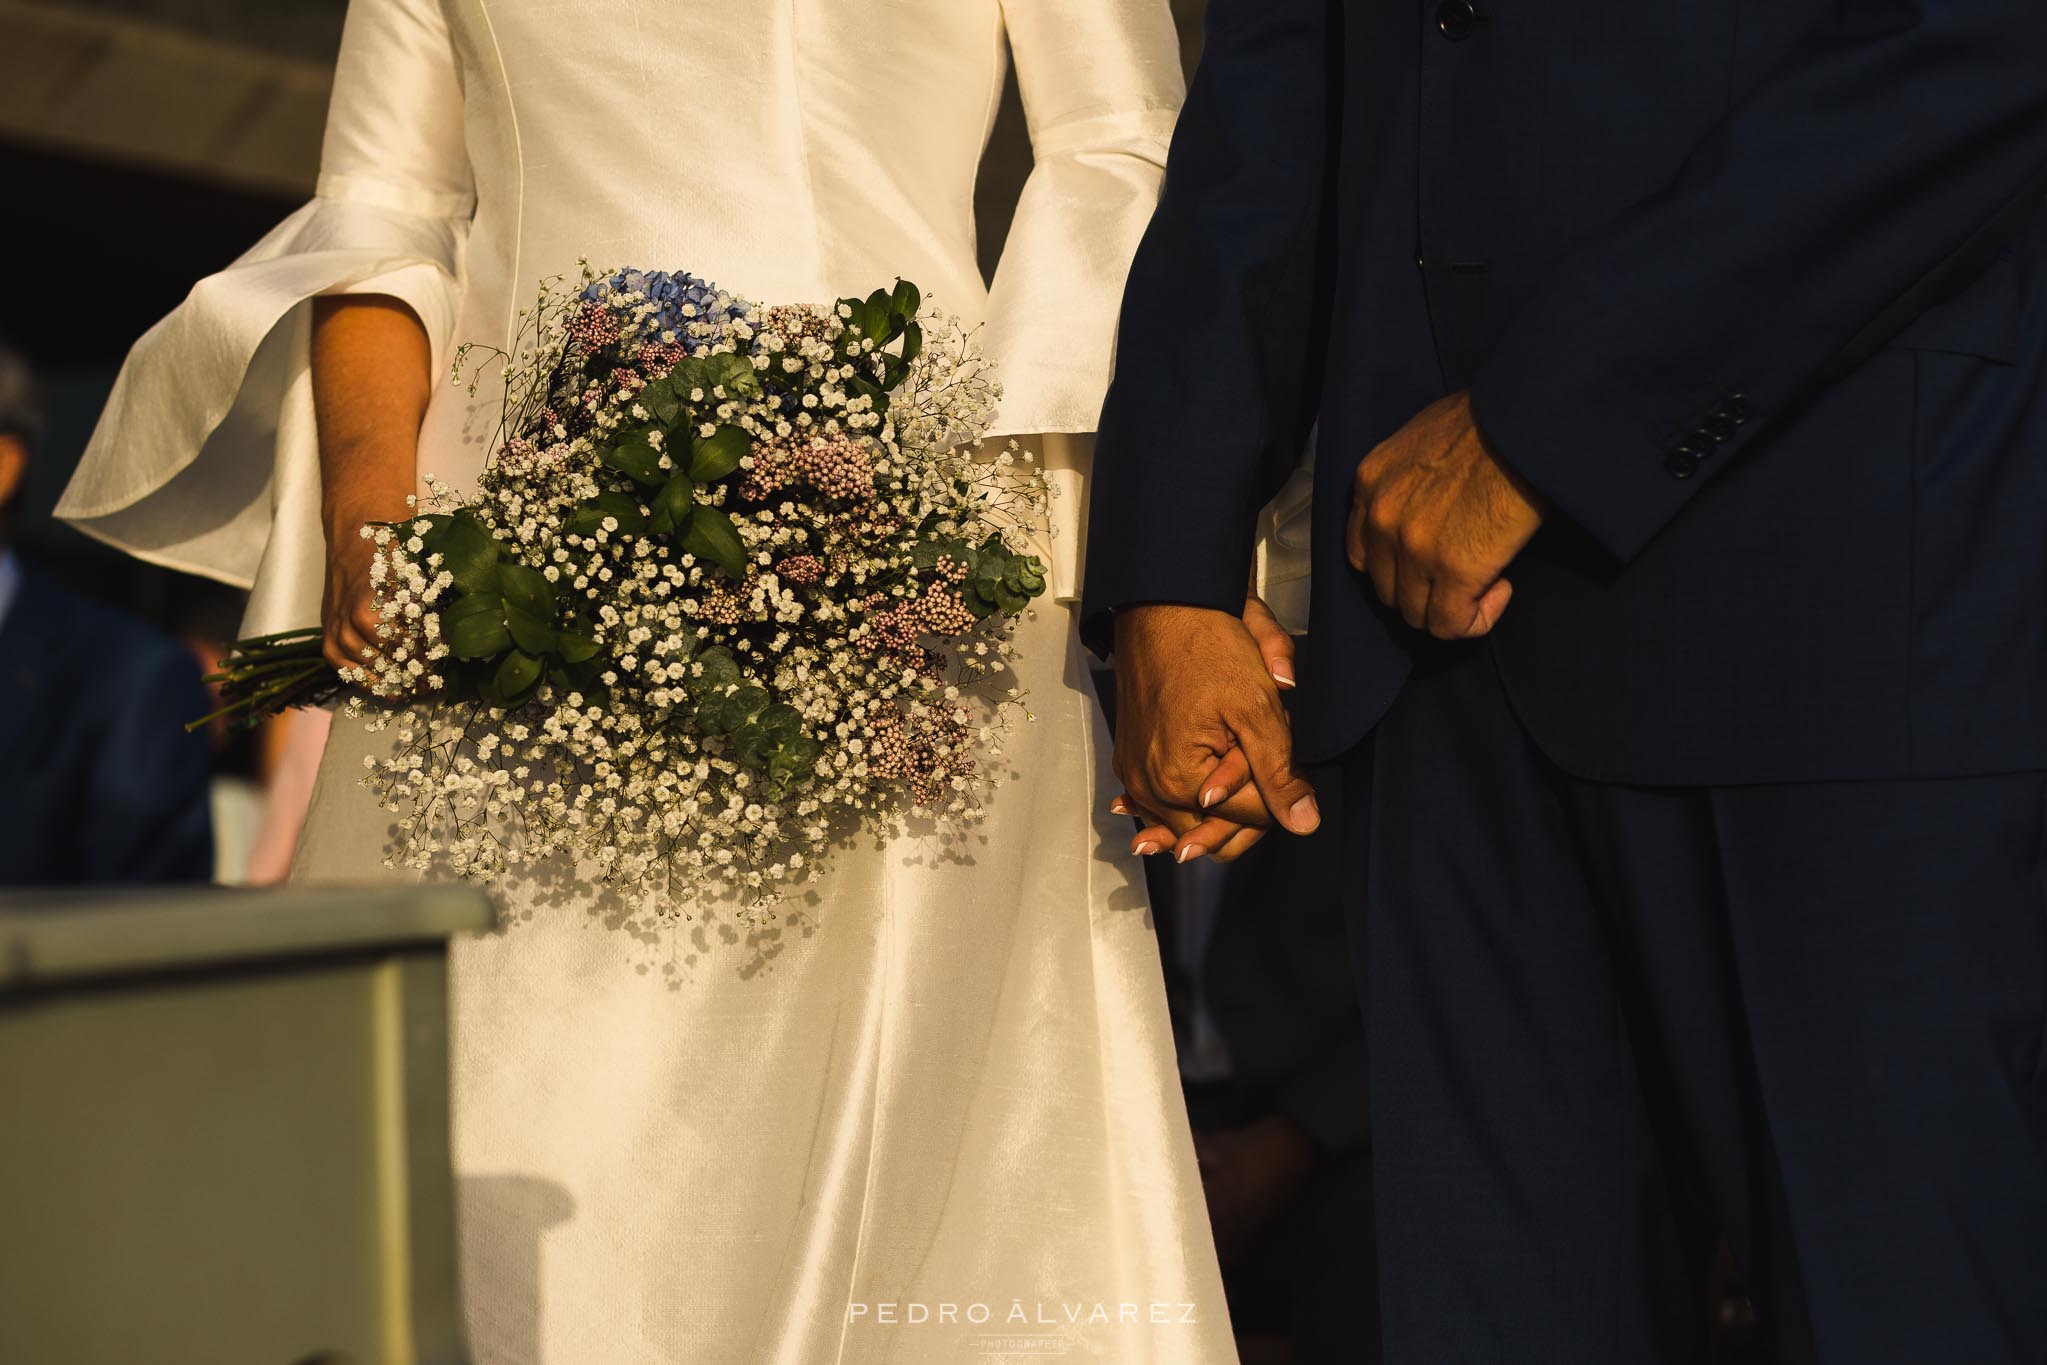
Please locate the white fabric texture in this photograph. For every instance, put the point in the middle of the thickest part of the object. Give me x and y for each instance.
(934, 1117)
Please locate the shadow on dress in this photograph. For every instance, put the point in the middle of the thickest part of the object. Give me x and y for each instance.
(504, 1219)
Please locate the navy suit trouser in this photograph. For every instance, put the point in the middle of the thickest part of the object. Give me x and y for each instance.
(1612, 1025)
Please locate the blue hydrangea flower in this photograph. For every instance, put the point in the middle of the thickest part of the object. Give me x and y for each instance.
(679, 298)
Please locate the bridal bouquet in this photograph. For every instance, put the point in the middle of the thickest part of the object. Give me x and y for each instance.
(737, 582)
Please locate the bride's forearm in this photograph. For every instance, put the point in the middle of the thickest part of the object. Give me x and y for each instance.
(371, 365)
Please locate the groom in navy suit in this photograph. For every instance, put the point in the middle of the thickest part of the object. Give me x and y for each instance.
(1680, 369)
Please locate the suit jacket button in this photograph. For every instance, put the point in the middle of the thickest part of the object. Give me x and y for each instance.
(1456, 19)
(1735, 409)
(1681, 463)
(1719, 428)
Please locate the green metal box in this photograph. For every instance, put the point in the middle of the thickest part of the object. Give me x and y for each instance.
(224, 1128)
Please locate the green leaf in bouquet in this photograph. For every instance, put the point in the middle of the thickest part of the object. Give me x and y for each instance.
(529, 591)
(681, 647)
(788, 763)
(750, 746)
(730, 711)
(574, 648)
(870, 390)
(469, 554)
(732, 372)
(860, 324)
(661, 399)
(690, 374)
(711, 535)
(913, 341)
(926, 553)
(529, 632)
(713, 457)
(906, 299)
(745, 704)
(637, 459)
(459, 677)
(517, 676)
(710, 715)
(1009, 600)
(716, 670)
(574, 677)
(591, 513)
(672, 505)
(474, 626)
(437, 524)
(781, 723)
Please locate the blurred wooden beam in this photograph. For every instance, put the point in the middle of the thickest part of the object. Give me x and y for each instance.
(115, 88)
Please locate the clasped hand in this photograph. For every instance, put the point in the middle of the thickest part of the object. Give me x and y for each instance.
(1203, 748)
(1435, 519)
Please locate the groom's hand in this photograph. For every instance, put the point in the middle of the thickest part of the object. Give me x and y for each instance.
(1194, 688)
(1435, 519)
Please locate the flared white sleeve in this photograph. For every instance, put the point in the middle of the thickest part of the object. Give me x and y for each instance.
(1101, 86)
(206, 458)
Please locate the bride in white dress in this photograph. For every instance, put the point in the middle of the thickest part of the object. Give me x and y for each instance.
(934, 1116)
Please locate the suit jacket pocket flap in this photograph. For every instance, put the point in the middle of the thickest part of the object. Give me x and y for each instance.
(1985, 319)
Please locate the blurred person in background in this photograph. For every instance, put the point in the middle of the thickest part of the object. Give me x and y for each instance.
(102, 782)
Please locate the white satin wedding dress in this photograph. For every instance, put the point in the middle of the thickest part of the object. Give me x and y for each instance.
(933, 1117)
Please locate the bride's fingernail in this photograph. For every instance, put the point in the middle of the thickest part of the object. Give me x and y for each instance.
(1189, 853)
(1146, 849)
(1282, 677)
(1211, 796)
(1119, 806)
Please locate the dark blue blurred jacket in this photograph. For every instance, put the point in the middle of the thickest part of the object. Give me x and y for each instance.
(98, 780)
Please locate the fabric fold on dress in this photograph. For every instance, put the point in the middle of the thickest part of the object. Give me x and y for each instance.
(205, 459)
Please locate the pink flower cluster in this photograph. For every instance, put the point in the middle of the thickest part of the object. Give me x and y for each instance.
(657, 359)
(593, 328)
(834, 464)
(725, 606)
(801, 570)
(925, 752)
(937, 612)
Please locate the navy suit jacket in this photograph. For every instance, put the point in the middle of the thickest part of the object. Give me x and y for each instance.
(98, 780)
(1754, 290)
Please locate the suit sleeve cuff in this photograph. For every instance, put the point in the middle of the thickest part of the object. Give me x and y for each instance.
(1616, 446)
